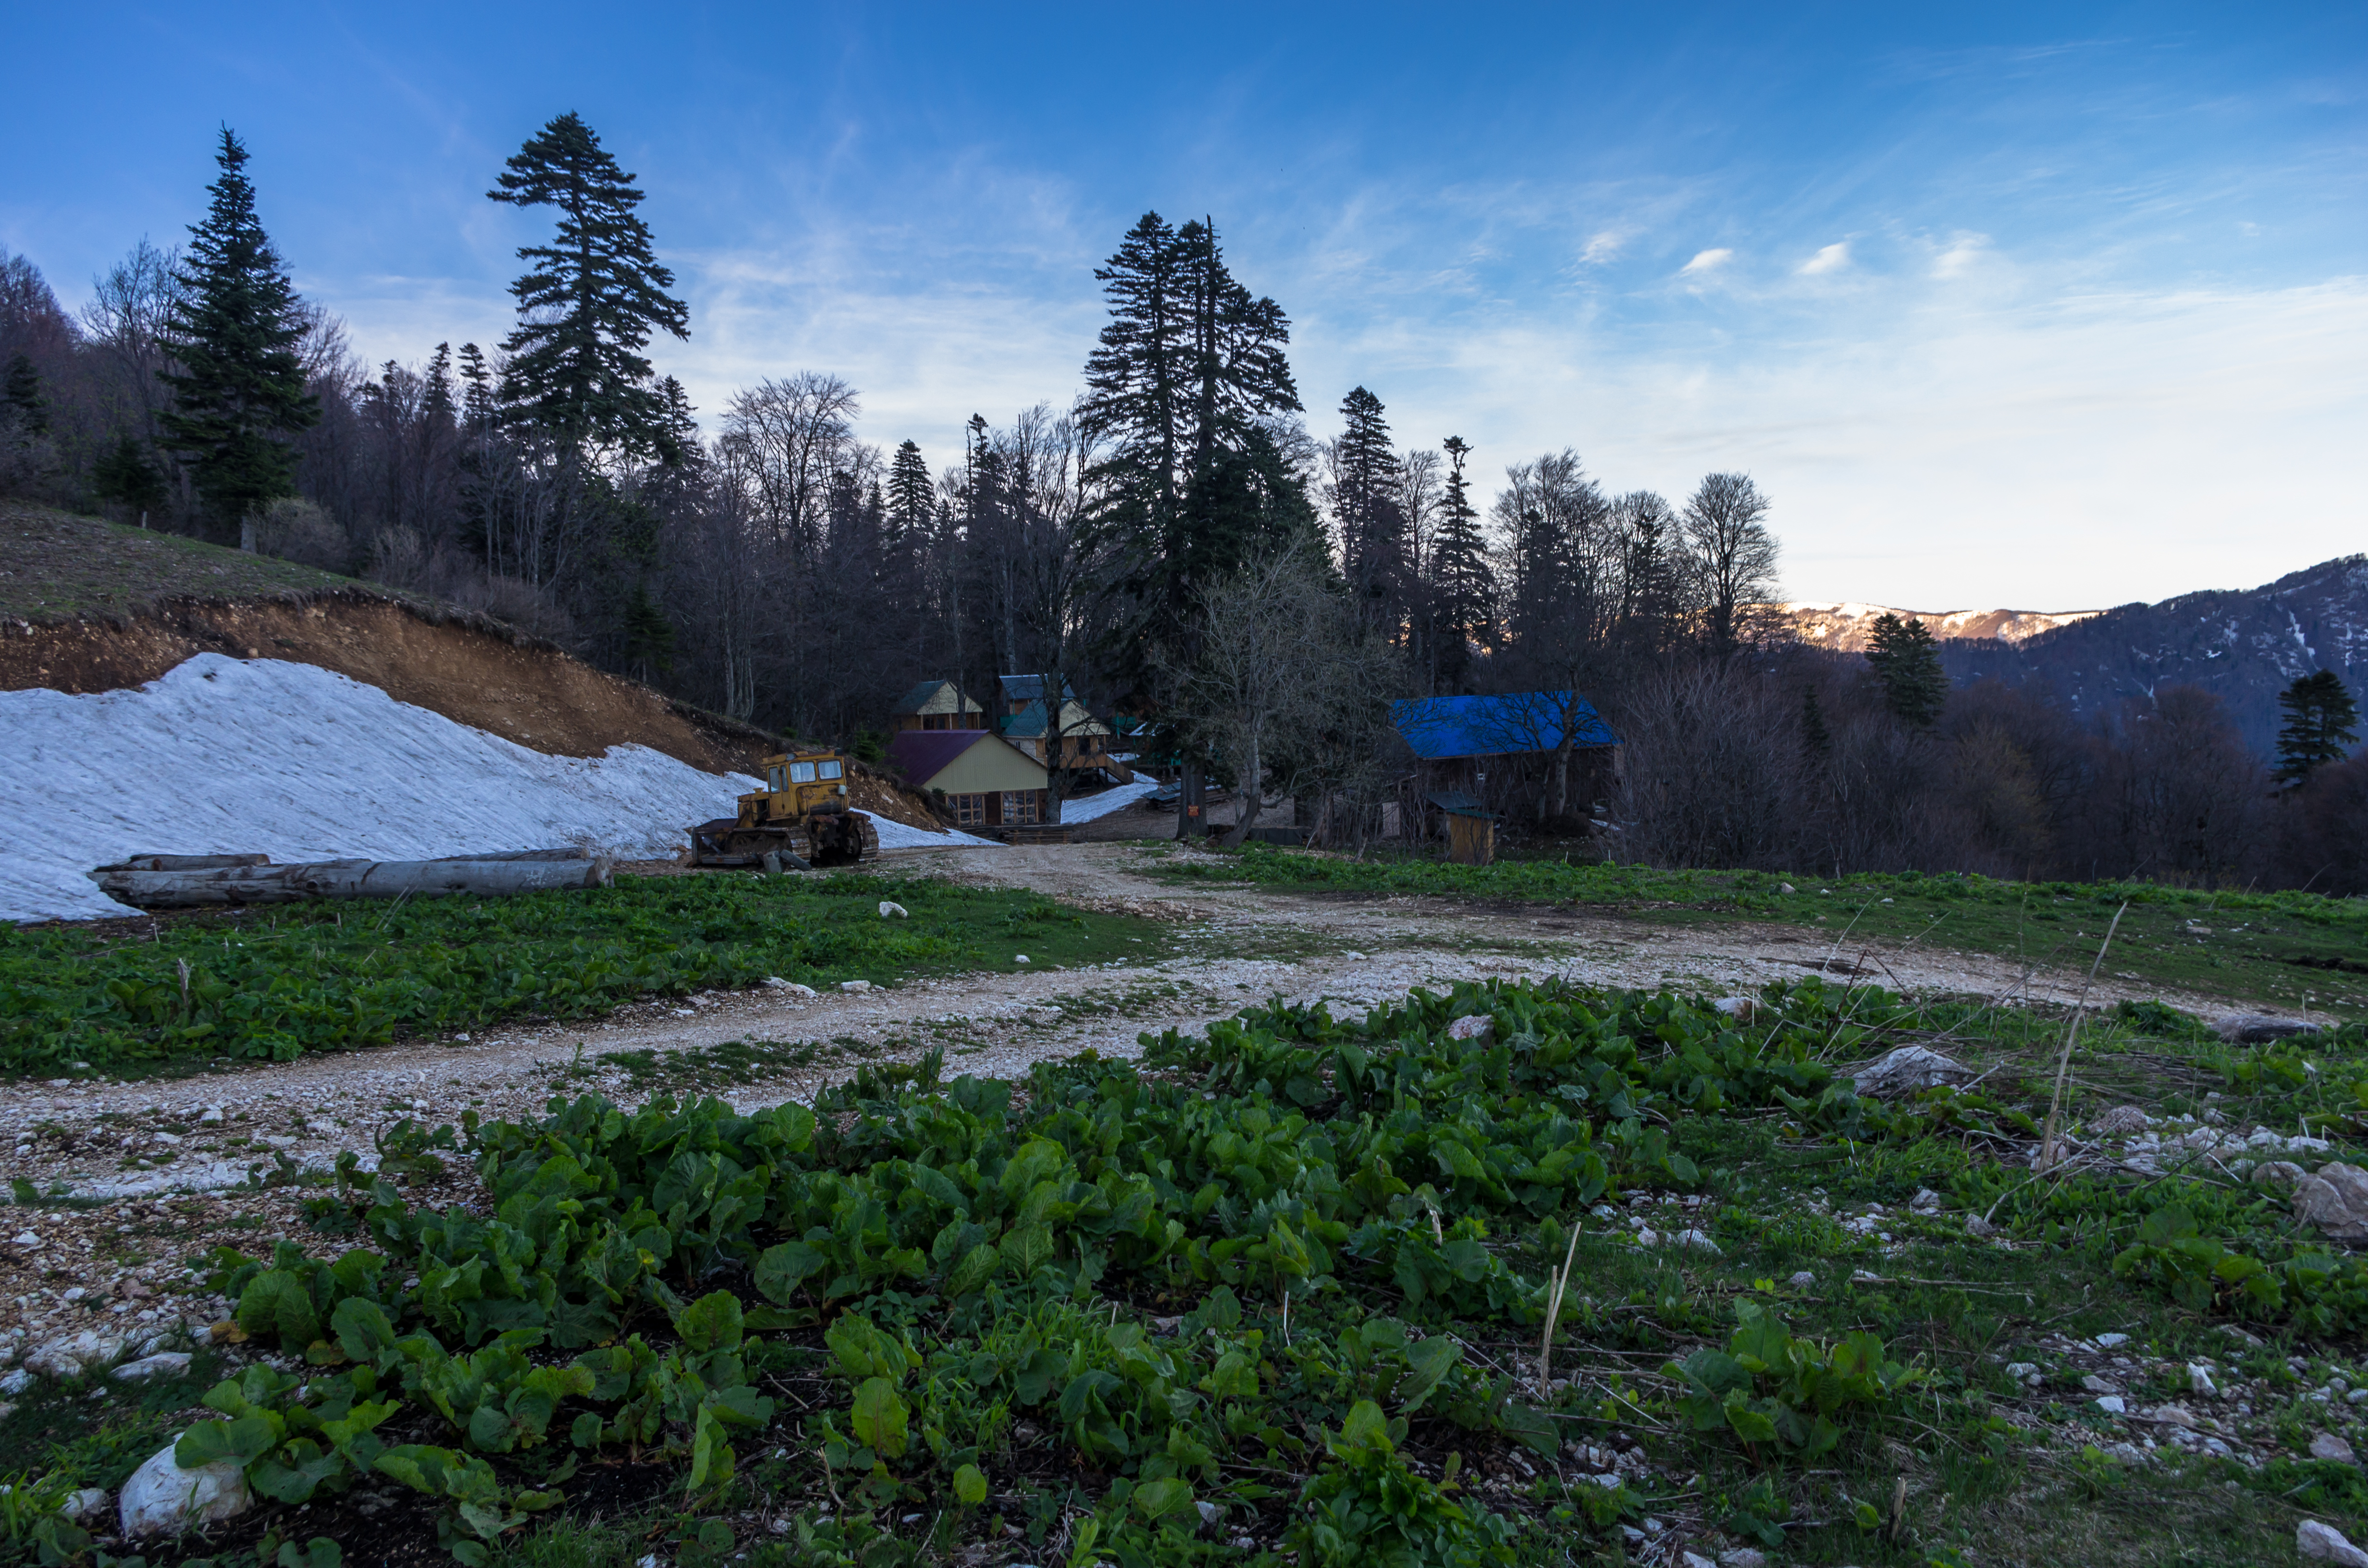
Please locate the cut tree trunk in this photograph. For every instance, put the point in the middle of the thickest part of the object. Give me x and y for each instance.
(480, 876)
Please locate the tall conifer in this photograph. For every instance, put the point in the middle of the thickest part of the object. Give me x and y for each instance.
(1460, 579)
(1908, 667)
(2321, 723)
(588, 306)
(239, 391)
(1365, 508)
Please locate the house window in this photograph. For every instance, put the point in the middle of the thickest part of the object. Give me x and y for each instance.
(1019, 805)
(933, 720)
(970, 810)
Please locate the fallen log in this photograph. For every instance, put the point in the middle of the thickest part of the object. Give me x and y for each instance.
(481, 877)
(184, 862)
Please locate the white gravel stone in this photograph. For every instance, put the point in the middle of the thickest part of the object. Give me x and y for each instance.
(163, 1364)
(2315, 1542)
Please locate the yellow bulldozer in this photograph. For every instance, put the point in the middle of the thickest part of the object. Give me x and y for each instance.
(801, 818)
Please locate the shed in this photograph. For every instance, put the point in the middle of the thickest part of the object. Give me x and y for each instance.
(937, 705)
(988, 781)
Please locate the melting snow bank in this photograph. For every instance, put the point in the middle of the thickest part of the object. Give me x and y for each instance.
(222, 756)
(896, 836)
(1087, 807)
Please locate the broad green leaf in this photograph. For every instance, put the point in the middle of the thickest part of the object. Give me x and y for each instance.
(710, 1324)
(1366, 1427)
(363, 1329)
(1155, 1499)
(879, 1417)
(781, 1270)
(1430, 1360)
(276, 1303)
(970, 1485)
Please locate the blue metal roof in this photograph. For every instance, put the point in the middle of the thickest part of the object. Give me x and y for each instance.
(1442, 727)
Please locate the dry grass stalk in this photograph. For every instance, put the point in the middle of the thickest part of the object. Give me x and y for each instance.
(2048, 1155)
(1561, 1278)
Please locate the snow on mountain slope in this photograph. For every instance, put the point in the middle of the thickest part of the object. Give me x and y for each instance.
(222, 756)
(1845, 627)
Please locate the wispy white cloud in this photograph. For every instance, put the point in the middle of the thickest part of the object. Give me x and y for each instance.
(1708, 260)
(1965, 251)
(1829, 258)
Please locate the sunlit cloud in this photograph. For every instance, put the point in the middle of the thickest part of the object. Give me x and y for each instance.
(1963, 253)
(1708, 261)
(1830, 258)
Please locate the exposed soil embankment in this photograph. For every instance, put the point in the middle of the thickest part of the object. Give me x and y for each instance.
(88, 605)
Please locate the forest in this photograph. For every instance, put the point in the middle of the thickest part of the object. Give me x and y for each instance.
(1176, 541)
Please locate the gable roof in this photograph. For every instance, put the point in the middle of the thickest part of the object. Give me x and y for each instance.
(1442, 727)
(935, 697)
(1030, 722)
(923, 755)
(1031, 688)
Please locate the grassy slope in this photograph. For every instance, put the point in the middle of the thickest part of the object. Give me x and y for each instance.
(275, 982)
(55, 565)
(2266, 949)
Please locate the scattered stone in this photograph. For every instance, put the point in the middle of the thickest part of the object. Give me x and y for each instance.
(2120, 1118)
(2336, 1200)
(1784, 887)
(1743, 1556)
(1926, 1201)
(2112, 1341)
(1900, 1072)
(2251, 1340)
(1802, 1280)
(792, 987)
(2257, 1029)
(1471, 1026)
(2279, 1175)
(162, 1498)
(1020, 958)
(17, 1381)
(854, 986)
(2172, 1415)
(85, 1507)
(26, 1239)
(889, 910)
(1697, 1240)
(2112, 1404)
(2315, 1542)
(2327, 1445)
(70, 1355)
(1209, 1512)
(1742, 1009)
(164, 1363)
(1976, 1227)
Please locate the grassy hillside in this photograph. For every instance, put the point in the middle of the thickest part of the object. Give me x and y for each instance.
(55, 565)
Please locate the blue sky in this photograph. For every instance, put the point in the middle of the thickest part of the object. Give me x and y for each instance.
(2046, 307)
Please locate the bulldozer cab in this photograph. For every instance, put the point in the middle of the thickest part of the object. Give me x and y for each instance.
(796, 784)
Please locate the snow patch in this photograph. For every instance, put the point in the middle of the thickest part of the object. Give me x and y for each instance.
(896, 836)
(1087, 807)
(224, 755)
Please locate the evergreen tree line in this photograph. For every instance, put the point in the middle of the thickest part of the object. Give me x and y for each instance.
(779, 568)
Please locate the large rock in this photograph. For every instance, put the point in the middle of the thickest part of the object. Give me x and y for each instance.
(72, 1355)
(2315, 1542)
(162, 1498)
(2335, 1199)
(2259, 1029)
(1898, 1073)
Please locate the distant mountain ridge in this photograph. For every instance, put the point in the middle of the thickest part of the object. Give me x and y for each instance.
(1845, 627)
(2244, 644)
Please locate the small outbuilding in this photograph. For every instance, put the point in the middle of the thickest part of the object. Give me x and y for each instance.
(988, 781)
(1501, 757)
(1077, 741)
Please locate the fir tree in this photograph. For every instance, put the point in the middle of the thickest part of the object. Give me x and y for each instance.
(1907, 666)
(239, 393)
(1816, 741)
(22, 394)
(126, 473)
(2321, 723)
(588, 306)
(1461, 579)
(1365, 505)
(439, 382)
(649, 635)
(912, 493)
